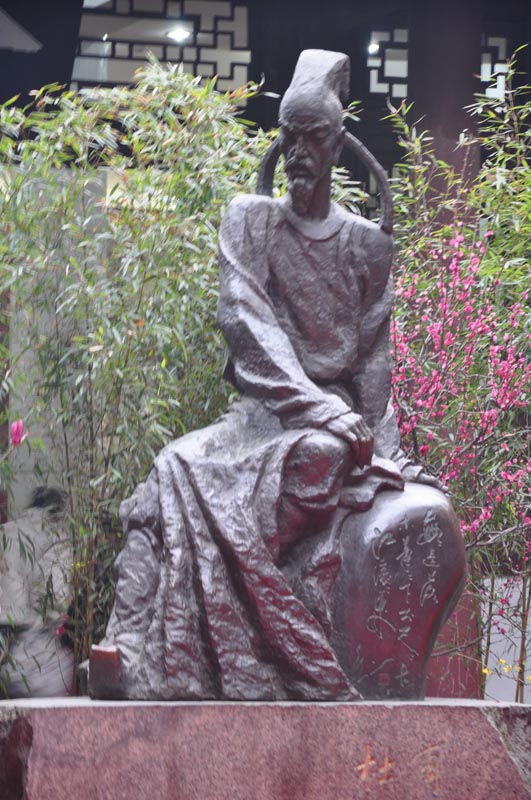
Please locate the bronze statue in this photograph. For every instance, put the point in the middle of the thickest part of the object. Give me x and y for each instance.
(276, 553)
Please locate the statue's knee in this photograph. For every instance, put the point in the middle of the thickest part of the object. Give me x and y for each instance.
(317, 464)
(312, 478)
(324, 444)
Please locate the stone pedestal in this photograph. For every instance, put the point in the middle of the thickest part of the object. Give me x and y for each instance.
(254, 751)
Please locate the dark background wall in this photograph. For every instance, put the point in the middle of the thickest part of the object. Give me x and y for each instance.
(55, 24)
(445, 40)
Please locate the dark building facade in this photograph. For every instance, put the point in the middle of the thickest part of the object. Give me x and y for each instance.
(433, 53)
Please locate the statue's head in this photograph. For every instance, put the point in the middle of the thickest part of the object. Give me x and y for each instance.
(311, 122)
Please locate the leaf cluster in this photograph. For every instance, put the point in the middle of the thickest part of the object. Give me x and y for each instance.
(110, 203)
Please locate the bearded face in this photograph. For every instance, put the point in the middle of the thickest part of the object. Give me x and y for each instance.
(311, 142)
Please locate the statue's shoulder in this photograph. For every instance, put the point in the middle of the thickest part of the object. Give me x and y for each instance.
(250, 206)
(372, 249)
(247, 223)
(368, 231)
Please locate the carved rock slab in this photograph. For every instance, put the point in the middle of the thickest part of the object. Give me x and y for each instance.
(286, 751)
(403, 567)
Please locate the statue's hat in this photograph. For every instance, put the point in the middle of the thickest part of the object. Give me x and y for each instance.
(322, 72)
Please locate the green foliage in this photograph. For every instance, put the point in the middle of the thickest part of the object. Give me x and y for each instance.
(110, 206)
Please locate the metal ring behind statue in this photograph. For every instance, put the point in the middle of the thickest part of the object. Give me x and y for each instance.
(264, 183)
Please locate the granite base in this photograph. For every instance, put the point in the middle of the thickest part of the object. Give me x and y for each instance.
(58, 750)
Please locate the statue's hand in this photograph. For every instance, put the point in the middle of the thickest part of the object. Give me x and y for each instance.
(353, 429)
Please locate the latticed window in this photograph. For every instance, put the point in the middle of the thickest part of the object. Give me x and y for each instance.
(210, 37)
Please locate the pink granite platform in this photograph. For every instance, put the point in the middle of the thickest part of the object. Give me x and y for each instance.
(292, 751)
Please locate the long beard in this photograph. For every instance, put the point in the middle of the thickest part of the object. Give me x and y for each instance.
(301, 191)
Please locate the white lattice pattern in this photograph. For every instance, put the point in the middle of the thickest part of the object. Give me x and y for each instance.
(116, 36)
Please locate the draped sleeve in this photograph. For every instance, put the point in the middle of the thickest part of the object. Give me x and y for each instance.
(372, 378)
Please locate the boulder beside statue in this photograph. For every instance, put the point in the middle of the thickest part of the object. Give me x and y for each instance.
(290, 550)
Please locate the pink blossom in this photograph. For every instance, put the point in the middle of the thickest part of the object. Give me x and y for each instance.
(17, 433)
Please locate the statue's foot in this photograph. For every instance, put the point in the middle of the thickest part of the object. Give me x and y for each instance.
(105, 673)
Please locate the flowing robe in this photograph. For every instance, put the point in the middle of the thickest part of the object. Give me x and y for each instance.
(210, 601)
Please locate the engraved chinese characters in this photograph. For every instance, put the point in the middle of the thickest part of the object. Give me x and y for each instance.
(376, 770)
(400, 577)
(288, 549)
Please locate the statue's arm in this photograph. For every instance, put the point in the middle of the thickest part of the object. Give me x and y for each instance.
(372, 383)
(264, 361)
(372, 380)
